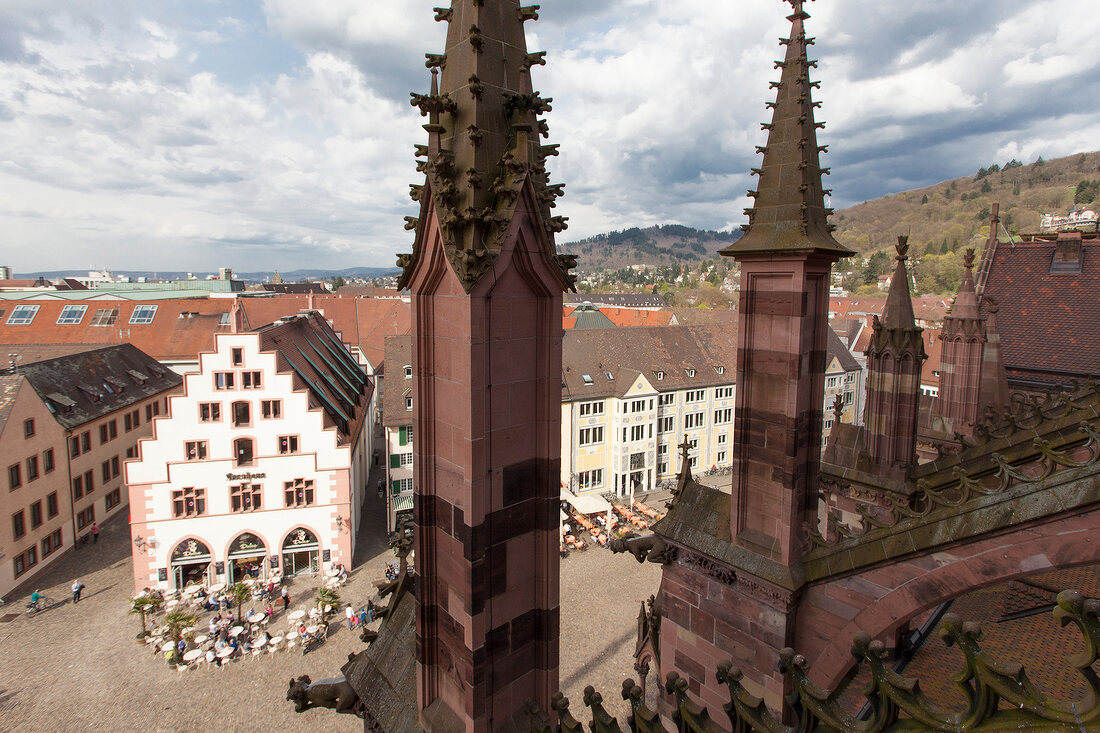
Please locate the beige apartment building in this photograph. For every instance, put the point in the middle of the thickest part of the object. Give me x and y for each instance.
(66, 426)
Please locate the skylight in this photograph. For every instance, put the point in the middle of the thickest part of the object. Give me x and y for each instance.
(143, 314)
(104, 317)
(72, 315)
(22, 315)
(587, 378)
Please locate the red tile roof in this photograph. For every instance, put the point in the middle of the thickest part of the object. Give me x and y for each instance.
(182, 328)
(1049, 323)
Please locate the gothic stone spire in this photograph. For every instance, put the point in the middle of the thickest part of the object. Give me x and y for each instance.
(790, 212)
(894, 359)
(483, 139)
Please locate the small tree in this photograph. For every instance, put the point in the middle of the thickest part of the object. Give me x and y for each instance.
(144, 606)
(327, 599)
(240, 592)
(176, 621)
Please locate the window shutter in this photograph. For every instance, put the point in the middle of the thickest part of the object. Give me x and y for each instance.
(395, 487)
(403, 436)
(395, 461)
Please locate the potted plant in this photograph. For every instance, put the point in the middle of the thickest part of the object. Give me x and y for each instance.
(327, 599)
(240, 592)
(144, 606)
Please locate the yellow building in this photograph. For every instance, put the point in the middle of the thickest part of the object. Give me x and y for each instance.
(631, 395)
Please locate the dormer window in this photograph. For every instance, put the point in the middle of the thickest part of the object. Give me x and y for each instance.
(719, 370)
(660, 376)
(408, 371)
(691, 372)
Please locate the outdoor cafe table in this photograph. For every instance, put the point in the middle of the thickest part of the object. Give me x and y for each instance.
(256, 618)
(168, 646)
(311, 629)
(275, 639)
(192, 589)
(192, 654)
(217, 587)
(295, 615)
(333, 572)
(227, 651)
(259, 643)
(201, 638)
(171, 603)
(236, 630)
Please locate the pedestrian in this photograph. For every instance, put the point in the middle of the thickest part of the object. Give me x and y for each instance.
(95, 533)
(351, 617)
(363, 616)
(77, 587)
(286, 600)
(370, 611)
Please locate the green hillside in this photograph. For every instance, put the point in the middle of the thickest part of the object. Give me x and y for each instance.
(957, 211)
(667, 244)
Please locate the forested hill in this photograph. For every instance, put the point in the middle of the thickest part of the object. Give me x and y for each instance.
(948, 215)
(667, 244)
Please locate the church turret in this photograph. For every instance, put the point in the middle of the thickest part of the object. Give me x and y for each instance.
(486, 286)
(972, 370)
(785, 255)
(894, 359)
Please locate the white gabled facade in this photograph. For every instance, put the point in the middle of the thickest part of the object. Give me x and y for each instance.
(254, 464)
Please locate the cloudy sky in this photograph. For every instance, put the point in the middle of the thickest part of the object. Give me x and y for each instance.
(259, 134)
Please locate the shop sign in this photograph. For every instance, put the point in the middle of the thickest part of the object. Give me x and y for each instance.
(326, 555)
(244, 476)
(274, 562)
(219, 568)
(162, 574)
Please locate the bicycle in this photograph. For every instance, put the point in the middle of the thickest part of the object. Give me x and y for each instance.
(41, 605)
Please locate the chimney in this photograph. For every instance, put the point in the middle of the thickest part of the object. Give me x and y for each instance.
(1067, 254)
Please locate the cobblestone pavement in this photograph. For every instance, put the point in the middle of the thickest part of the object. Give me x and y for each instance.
(78, 667)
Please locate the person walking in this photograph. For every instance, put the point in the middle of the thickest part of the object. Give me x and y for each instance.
(95, 533)
(77, 587)
(286, 600)
(351, 617)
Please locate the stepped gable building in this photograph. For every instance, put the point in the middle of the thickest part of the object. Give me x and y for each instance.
(260, 464)
(486, 287)
(66, 425)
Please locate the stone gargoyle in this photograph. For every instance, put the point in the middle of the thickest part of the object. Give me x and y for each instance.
(334, 693)
(651, 547)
